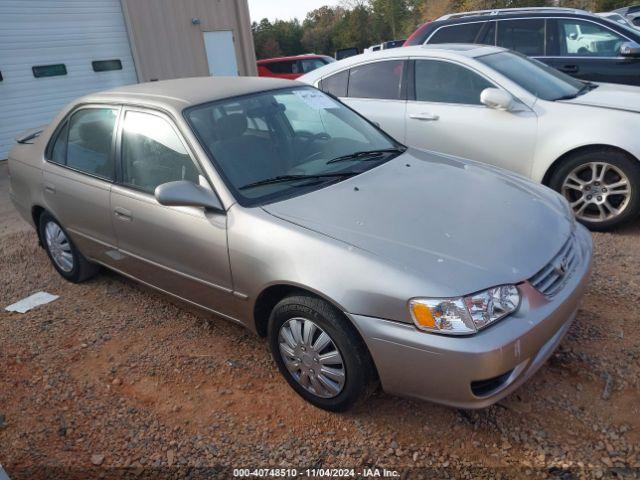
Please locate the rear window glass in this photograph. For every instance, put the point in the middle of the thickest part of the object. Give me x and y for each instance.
(381, 80)
(524, 36)
(465, 33)
(336, 84)
(289, 66)
(89, 141)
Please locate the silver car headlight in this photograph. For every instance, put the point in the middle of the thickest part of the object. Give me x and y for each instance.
(464, 315)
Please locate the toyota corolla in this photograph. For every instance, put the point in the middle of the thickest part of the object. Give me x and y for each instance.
(274, 205)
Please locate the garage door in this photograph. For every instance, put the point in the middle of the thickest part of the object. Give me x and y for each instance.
(52, 51)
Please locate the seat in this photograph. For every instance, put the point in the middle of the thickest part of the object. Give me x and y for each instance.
(243, 157)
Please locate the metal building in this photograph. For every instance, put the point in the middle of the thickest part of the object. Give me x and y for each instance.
(52, 51)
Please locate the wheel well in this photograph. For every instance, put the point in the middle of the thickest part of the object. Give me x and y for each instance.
(587, 148)
(36, 212)
(268, 299)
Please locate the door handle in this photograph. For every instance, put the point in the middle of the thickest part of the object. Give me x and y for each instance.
(123, 214)
(569, 68)
(49, 188)
(427, 117)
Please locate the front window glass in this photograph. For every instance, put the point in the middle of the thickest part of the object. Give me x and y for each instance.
(446, 82)
(277, 144)
(89, 145)
(524, 36)
(587, 39)
(152, 153)
(537, 78)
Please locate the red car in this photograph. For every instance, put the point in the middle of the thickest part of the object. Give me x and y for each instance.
(291, 67)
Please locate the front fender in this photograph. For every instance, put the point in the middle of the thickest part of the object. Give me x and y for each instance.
(565, 127)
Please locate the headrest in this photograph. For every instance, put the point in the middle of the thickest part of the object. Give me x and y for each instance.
(96, 136)
(231, 126)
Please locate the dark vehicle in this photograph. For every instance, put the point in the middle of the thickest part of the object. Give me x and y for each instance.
(346, 53)
(576, 42)
(632, 13)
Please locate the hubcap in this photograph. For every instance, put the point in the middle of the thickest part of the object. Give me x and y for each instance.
(597, 191)
(311, 357)
(59, 246)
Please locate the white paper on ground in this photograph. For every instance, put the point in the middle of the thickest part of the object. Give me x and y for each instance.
(3, 474)
(31, 301)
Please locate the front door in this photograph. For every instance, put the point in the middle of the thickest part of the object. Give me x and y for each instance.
(78, 176)
(590, 51)
(221, 53)
(181, 250)
(446, 115)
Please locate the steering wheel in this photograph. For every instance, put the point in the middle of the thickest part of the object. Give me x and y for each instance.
(308, 139)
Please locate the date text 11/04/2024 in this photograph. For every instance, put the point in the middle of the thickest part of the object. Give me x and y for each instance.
(316, 472)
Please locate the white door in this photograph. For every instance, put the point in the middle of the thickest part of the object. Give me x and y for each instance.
(47, 54)
(375, 91)
(221, 53)
(447, 116)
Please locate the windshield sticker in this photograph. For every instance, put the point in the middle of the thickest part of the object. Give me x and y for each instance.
(316, 99)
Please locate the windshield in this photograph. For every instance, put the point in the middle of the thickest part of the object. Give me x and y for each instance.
(537, 78)
(280, 143)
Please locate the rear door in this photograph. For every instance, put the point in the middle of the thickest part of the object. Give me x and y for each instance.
(444, 114)
(590, 51)
(78, 176)
(181, 250)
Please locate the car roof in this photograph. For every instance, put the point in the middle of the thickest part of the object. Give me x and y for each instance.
(439, 50)
(181, 93)
(464, 17)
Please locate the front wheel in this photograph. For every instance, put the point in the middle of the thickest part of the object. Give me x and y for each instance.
(602, 187)
(319, 353)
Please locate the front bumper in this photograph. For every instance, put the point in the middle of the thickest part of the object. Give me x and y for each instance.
(478, 370)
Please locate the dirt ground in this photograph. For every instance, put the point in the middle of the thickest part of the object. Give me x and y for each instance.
(113, 381)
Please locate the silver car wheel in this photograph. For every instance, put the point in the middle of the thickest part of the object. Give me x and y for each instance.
(59, 246)
(597, 191)
(311, 357)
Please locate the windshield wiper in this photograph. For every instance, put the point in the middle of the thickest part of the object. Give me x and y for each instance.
(366, 155)
(587, 87)
(288, 178)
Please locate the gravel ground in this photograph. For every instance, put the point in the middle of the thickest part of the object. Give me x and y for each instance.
(113, 381)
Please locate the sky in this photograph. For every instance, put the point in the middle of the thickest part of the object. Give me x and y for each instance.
(284, 9)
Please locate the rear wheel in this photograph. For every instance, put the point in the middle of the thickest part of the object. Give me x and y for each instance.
(319, 353)
(66, 258)
(602, 187)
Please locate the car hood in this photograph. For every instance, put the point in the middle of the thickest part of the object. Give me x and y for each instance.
(607, 95)
(462, 225)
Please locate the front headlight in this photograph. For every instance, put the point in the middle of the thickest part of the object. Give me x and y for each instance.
(464, 315)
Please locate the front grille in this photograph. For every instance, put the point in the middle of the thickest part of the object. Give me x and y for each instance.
(555, 274)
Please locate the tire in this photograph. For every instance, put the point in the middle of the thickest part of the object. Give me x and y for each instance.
(65, 257)
(591, 194)
(357, 366)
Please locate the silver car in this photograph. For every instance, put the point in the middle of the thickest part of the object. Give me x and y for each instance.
(275, 206)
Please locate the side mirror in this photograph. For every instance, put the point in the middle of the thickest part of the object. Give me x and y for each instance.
(187, 194)
(496, 99)
(630, 49)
